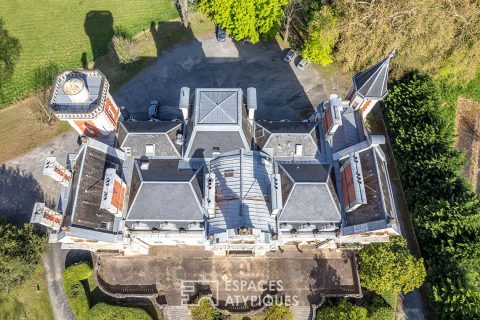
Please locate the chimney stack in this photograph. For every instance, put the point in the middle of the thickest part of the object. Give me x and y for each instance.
(184, 101)
(251, 102)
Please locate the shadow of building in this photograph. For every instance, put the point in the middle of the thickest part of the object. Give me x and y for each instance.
(18, 193)
(98, 26)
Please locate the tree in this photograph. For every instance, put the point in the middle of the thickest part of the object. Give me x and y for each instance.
(322, 36)
(290, 9)
(248, 19)
(9, 53)
(390, 267)
(184, 13)
(344, 310)
(20, 250)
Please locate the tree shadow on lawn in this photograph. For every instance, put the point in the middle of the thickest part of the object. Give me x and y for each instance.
(18, 193)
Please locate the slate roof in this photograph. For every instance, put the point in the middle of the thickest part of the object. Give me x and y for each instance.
(94, 80)
(218, 106)
(137, 134)
(164, 192)
(87, 186)
(282, 136)
(308, 193)
(244, 198)
(372, 83)
(350, 132)
(219, 121)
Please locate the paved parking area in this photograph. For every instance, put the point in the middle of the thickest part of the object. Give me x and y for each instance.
(305, 275)
(283, 91)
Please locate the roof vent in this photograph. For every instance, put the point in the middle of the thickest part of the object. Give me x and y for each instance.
(179, 139)
(144, 164)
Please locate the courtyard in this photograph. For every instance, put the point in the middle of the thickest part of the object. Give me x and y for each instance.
(302, 275)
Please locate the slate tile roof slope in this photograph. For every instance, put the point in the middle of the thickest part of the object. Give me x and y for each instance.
(243, 196)
(308, 193)
(164, 192)
(374, 209)
(218, 106)
(350, 132)
(137, 134)
(86, 207)
(372, 83)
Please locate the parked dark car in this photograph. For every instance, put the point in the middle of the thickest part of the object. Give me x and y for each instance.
(221, 34)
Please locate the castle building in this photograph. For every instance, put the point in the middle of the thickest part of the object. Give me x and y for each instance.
(221, 178)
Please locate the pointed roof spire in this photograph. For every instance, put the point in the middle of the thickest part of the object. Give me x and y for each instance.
(372, 83)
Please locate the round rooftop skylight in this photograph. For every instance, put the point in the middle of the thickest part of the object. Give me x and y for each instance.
(73, 86)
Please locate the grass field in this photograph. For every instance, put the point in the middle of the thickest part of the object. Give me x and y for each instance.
(59, 32)
(27, 302)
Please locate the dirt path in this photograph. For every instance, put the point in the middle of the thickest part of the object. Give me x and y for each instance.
(467, 130)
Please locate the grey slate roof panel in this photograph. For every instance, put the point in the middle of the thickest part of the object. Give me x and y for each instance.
(165, 202)
(372, 83)
(204, 142)
(350, 132)
(164, 147)
(287, 126)
(307, 172)
(165, 170)
(310, 203)
(218, 106)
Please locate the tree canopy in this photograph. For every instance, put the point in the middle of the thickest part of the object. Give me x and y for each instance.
(20, 250)
(390, 267)
(322, 36)
(248, 19)
(425, 32)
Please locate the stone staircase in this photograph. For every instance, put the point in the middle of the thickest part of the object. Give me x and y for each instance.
(176, 313)
(302, 312)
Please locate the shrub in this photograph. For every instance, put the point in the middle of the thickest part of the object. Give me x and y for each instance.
(205, 311)
(125, 48)
(74, 289)
(78, 295)
(103, 311)
(344, 310)
(278, 312)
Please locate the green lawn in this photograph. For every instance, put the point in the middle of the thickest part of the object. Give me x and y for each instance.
(27, 302)
(59, 32)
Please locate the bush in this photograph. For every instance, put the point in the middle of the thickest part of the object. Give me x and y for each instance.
(278, 312)
(344, 310)
(103, 311)
(78, 295)
(75, 291)
(125, 48)
(205, 311)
